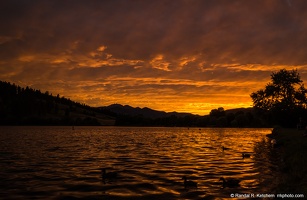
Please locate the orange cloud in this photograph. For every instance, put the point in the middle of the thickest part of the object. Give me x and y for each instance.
(158, 62)
(189, 56)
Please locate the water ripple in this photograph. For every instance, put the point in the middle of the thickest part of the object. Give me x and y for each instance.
(60, 163)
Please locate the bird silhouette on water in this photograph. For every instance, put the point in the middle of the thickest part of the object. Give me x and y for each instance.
(230, 182)
(224, 148)
(246, 155)
(108, 175)
(189, 184)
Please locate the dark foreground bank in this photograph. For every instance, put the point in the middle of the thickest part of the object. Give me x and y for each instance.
(291, 145)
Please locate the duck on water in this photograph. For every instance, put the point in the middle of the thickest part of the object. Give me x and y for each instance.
(246, 155)
(108, 175)
(189, 184)
(225, 148)
(231, 182)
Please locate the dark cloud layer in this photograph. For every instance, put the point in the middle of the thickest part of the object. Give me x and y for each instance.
(124, 51)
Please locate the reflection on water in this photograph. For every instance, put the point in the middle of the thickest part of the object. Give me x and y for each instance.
(266, 153)
(61, 163)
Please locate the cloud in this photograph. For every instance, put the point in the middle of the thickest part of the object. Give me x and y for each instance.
(164, 54)
(158, 62)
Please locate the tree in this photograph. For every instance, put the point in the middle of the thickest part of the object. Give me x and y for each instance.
(284, 98)
(220, 112)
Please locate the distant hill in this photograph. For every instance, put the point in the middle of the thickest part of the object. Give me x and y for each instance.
(27, 106)
(144, 112)
(153, 114)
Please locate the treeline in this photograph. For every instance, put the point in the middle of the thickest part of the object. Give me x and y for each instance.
(27, 106)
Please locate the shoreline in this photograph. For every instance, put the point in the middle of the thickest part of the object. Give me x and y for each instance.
(291, 145)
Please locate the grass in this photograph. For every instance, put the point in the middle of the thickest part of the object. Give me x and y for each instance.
(293, 166)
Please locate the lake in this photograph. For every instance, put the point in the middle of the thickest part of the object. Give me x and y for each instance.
(62, 163)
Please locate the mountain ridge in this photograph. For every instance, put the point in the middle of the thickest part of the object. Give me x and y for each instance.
(145, 111)
(153, 114)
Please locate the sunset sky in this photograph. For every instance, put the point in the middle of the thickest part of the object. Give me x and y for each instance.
(171, 55)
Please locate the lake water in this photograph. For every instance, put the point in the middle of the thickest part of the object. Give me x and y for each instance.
(62, 163)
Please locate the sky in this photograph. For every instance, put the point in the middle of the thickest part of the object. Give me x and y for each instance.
(169, 55)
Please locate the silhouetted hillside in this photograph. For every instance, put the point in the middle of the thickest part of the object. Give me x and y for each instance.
(26, 106)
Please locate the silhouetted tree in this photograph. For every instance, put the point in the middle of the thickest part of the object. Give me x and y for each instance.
(217, 112)
(284, 98)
